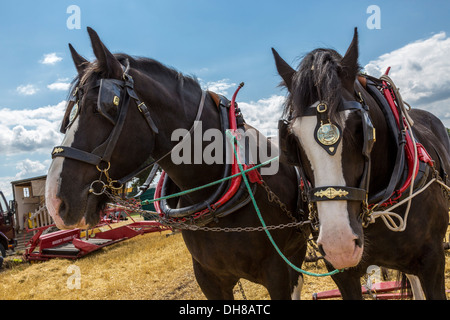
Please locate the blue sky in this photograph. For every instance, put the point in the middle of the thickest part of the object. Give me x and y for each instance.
(221, 42)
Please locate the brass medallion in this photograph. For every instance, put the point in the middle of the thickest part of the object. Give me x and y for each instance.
(328, 134)
(73, 113)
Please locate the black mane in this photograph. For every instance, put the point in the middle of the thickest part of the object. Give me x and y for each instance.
(155, 68)
(317, 79)
(152, 67)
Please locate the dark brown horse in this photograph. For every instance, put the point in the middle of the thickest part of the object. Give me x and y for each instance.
(123, 112)
(332, 116)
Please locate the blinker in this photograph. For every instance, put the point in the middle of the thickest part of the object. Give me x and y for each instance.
(109, 99)
(287, 144)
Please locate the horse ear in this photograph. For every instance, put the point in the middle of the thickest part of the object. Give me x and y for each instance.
(80, 62)
(285, 70)
(349, 63)
(106, 61)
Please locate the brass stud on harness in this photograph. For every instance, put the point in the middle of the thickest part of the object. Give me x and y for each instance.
(322, 107)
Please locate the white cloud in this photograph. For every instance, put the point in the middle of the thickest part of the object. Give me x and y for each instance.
(263, 114)
(219, 87)
(25, 137)
(27, 89)
(35, 130)
(5, 186)
(422, 72)
(28, 168)
(25, 169)
(59, 85)
(50, 58)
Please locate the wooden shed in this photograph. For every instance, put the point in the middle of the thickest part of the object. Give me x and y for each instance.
(29, 199)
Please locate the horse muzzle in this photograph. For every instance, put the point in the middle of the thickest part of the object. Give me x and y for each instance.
(338, 242)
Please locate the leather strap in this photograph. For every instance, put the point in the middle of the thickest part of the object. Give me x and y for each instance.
(103, 152)
(144, 166)
(330, 193)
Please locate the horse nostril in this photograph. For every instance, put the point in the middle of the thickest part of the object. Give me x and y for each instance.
(322, 252)
(62, 209)
(359, 242)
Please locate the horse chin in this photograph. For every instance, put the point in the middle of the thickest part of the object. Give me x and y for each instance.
(345, 260)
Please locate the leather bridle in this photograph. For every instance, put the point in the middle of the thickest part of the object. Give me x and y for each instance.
(288, 141)
(118, 93)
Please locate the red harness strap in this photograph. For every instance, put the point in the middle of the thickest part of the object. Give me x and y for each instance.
(409, 146)
(253, 175)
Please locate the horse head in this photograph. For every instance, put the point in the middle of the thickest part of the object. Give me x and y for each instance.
(104, 141)
(332, 132)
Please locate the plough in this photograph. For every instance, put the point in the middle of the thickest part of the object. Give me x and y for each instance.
(76, 243)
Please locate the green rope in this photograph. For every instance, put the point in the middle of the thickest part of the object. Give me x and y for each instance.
(244, 177)
(145, 202)
(232, 137)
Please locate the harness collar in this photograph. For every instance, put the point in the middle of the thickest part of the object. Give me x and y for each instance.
(228, 197)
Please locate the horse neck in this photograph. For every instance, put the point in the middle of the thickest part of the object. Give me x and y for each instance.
(181, 115)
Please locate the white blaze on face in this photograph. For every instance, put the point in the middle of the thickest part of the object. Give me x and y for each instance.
(53, 181)
(335, 235)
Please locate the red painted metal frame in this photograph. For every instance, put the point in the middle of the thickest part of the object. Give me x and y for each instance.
(379, 291)
(37, 245)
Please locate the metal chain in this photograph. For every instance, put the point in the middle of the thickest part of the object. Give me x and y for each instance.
(185, 226)
(241, 229)
(272, 197)
(241, 289)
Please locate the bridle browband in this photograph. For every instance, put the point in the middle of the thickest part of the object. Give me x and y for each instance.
(118, 93)
(328, 135)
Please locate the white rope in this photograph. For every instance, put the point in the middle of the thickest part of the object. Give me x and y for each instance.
(387, 215)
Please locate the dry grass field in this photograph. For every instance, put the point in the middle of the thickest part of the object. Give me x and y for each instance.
(152, 266)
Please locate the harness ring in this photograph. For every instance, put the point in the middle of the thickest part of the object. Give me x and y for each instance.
(115, 185)
(322, 107)
(92, 190)
(104, 170)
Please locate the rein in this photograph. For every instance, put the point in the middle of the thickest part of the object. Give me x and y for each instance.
(226, 199)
